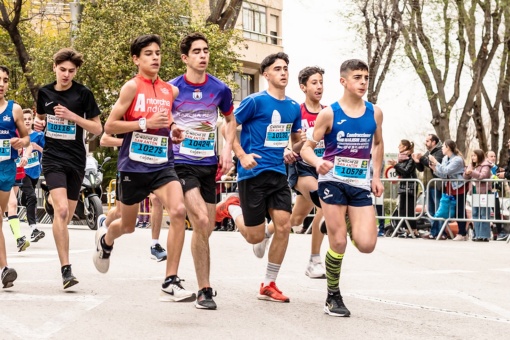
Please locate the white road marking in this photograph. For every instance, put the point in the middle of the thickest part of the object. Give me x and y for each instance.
(76, 305)
(505, 314)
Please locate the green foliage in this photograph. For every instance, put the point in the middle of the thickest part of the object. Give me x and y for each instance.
(108, 27)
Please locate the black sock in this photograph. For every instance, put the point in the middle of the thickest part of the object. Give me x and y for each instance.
(64, 268)
(105, 246)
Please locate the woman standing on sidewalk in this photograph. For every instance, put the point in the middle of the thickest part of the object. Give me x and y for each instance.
(406, 168)
(451, 167)
(479, 168)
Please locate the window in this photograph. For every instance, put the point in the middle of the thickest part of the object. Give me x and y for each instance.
(273, 29)
(246, 85)
(254, 22)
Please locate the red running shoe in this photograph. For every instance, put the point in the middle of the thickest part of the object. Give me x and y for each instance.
(271, 293)
(222, 208)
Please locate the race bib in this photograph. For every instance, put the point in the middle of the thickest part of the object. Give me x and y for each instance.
(352, 171)
(277, 135)
(33, 160)
(59, 128)
(147, 148)
(198, 143)
(319, 149)
(5, 149)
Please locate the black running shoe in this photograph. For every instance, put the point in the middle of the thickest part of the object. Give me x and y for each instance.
(205, 299)
(335, 305)
(68, 278)
(22, 243)
(37, 235)
(8, 277)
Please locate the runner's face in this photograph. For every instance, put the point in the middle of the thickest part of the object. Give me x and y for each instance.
(198, 56)
(356, 82)
(4, 83)
(313, 88)
(149, 60)
(277, 74)
(28, 120)
(65, 73)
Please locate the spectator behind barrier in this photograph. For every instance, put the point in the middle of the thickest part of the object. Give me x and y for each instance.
(479, 168)
(451, 167)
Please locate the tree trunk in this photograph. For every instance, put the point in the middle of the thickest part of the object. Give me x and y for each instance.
(224, 14)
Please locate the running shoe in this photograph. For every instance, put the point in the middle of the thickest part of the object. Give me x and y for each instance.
(222, 208)
(259, 249)
(158, 253)
(271, 293)
(205, 299)
(101, 257)
(101, 219)
(22, 243)
(37, 235)
(68, 278)
(334, 305)
(173, 291)
(9, 275)
(502, 237)
(315, 270)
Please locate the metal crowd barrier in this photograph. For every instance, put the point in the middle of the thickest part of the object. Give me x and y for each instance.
(495, 202)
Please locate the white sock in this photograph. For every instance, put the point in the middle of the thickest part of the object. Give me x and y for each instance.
(154, 242)
(235, 211)
(32, 227)
(315, 258)
(271, 273)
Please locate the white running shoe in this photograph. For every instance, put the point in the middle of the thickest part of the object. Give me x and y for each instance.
(315, 270)
(101, 257)
(175, 292)
(259, 249)
(101, 219)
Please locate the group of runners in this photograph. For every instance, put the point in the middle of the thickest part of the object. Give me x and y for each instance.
(168, 149)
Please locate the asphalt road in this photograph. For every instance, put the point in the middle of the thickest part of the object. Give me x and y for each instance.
(405, 289)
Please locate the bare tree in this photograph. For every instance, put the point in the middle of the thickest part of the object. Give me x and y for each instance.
(224, 13)
(382, 19)
(481, 57)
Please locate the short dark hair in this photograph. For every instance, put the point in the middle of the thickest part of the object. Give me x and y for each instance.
(189, 39)
(353, 65)
(68, 54)
(5, 69)
(143, 41)
(434, 138)
(270, 60)
(307, 72)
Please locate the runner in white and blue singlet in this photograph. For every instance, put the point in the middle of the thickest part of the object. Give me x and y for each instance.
(352, 130)
(11, 119)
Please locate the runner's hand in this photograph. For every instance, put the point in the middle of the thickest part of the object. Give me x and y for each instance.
(177, 134)
(323, 167)
(248, 160)
(289, 156)
(39, 124)
(16, 143)
(159, 120)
